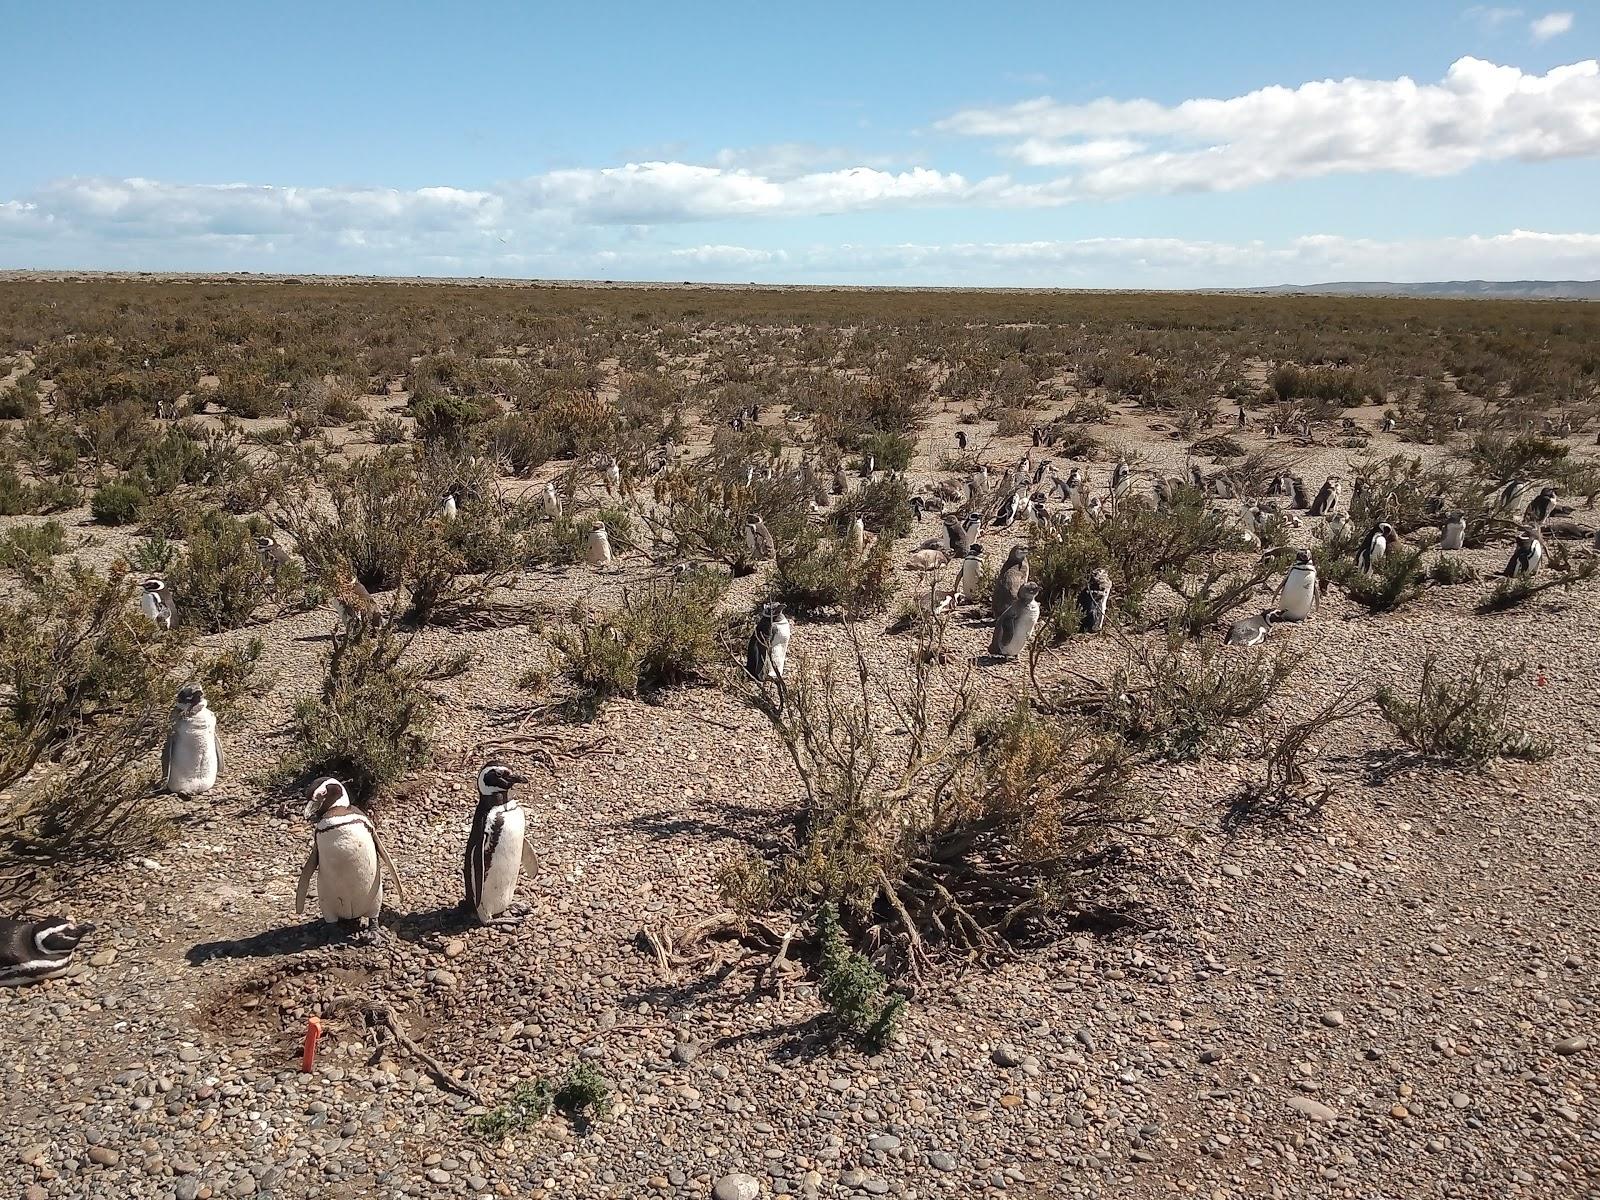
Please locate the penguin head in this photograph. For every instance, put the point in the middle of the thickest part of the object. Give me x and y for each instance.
(1101, 579)
(1302, 558)
(753, 520)
(264, 543)
(58, 936)
(917, 505)
(975, 550)
(1018, 555)
(154, 586)
(496, 779)
(326, 793)
(191, 699)
(775, 611)
(1388, 531)
(1028, 593)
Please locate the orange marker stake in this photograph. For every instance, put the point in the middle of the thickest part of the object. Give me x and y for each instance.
(308, 1061)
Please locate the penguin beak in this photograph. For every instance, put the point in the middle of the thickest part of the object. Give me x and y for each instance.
(514, 778)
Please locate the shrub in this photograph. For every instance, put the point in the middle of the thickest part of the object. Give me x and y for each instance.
(1465, 717)
(852, 987)
(221, 580)
(444, 417)
(817, 576)
(1448, 570)
(116, 503)
(16, 497)
(884, 506)
(389, 431)
(889, 451)
(663, 634)
(1396, 580)
(248, 395)
(28, 549)
(583, 1095)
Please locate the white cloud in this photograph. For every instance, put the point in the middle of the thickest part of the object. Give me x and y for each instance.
(1491, 17)
(1550, 25)
(1479, 112)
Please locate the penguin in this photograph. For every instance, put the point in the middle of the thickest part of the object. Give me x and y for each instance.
(1339, 527)
(1297, 594)
(1375, 546)
(447, 506)
(156, 603)
(841, 482)
(860, 540)
(1251, 631)
(927, 559)
(971, 572)
(613, 476)
(1527, 557)
(273, 556)
(757, 538)
(551, 501)
(1039, 470)
(598, 549)
(1008, 584)
(37, 948)
(1388, 422)
(1013, 629)
(1197, 478)
(1453, 534)
(191, 758)
(1094, 601)
(961, 439)
(1327, 499)
(346, 857)
(1121, 479)
(1297, 493)
(1511, 492)
(766, 654)
(1007, 516)
(937, 601)
(869, 467)
(918, 507)
(1540, 507)
(1241, 416)
(498, 849)
(956, 537)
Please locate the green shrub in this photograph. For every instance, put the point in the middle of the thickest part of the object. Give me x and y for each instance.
(884, 506)
(221, 580)
(1396, 580)
(817, 576)
(852, 987)
(1449, 570)
(16, 497)
(1466, 717)
(116, 503)
(889, 451)
(28, 549)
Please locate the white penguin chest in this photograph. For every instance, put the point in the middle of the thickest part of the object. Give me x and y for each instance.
(348, 882)
(778, 647)
(1022, 629)
(500, 879)
(971, 570)
(1299, 589)
(193, 766)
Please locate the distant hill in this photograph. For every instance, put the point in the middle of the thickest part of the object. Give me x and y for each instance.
(1511, 289)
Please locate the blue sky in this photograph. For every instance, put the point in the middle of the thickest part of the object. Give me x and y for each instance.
(1155, 144)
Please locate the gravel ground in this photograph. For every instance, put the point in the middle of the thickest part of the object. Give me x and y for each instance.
(1393, 998)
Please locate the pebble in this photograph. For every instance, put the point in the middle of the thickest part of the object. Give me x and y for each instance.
(1571, 1045)
(104, 1155)
(685, 1052)
(737, 1186)
(1314, 1109)
(1006, 1055)
(942, 1160)
(1333, 1018)
(1232, 870)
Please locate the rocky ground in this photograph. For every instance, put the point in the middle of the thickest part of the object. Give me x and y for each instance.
(1393, 997)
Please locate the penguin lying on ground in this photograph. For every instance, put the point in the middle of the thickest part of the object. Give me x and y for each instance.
(36, 948)
(1251, 631)
(191, 758)
(498, 850)
(347, 859)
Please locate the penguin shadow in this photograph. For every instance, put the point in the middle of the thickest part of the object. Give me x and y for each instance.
(732, 821)
(269, 943)
(432, 925)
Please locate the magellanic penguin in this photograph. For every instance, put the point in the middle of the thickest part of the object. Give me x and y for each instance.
(955, 538)
(860, 540)
(758, 539)
(1540, 507)
(1527, 557)
(971, 573)
(613, 476)
(156, 602)
(36, 948)
(447, 506)
(1094, 601)
(498, 849)
(1008, 584)
(766, 654)
(346, 857)
(191, 759)
(551, 501)
(273, 556)
(1338, 528)
(961, 439)
(598, 549)
(1251, 631)
(1327, 499)
(1297, 595)
(1013, 629)
(1121, 479)
(1375, 545)
(1453, 533)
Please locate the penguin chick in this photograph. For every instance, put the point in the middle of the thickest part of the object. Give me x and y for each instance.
(971, 572)
(1008, 584)
(551, 501)
(1453, 533)
(498, 849)
(860, 540)
(156, 602)
(346, 857)
(37, 948)
(597, 551)
(191, 758)
(758, 539)
(1013, 629)
(927, 560)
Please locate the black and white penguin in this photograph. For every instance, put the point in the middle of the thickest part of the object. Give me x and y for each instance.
(1375, 545)
(1251, 631)
(1513, 491)
(1327, 499)
(273, 556)
(1540, 507)
(497, 847)
(1453, 533)
(961, 439)
(1039, 470)
(1008, 584)
(1007, 515)
(971, 572)
(447, 506)
(1297, 493)
(1527, 556)
(191, 758)
(1094, 601)
(766, 654)
(346, 857)
(156, 602)
(1297, 595)
(1013, 629)
(550, 500)
(757, 538)
(1121, 479)
(613, 476)
(37, 948)
(956, 537)
(869, 467)
(1241, 416)
(918, 507)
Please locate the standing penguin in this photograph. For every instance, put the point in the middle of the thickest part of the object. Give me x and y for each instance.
(1527, 557)
(766, 654)
(1297, 493)
(841, 481)
(156, 602)
(346, 857)
(961, 439)
(971, 572)
(447, 506)
(1540, 507)
(598, 549)
(551, 501)
(1327, 499)
(613, 476)
(955, 534)
(860, 540)
(1453, 534)
(191, 758)
(1375, 546)
(1007, 516)
(1297, 594)
(36, 948)
(1513, 491)
(1013, 629)
(1338, 528)
(1094, 601)
(273, 556)
(1121, 479)
(1009, 583)
(497, 846)
(757, 538)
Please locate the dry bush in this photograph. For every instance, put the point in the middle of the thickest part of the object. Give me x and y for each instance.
(220, 580)
(1562, 569)
(1291, 782)
(818, 575)
(975, 832)
(706, 506)
(1464, 718)
(28, 549)
(883, 506)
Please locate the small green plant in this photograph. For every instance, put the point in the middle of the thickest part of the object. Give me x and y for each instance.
(584, 1095)
(852, 987)
(1465, 717)
(155, 555)
(28, 549)
(116, 503)
(221, 579)
(1447, 571)
(389, 431)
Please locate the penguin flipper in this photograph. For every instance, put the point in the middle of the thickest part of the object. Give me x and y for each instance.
(305, 880)
(166, 752)
(216, 750)
(388, 864)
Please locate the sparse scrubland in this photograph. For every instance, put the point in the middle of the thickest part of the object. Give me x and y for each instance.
(1133, 911)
